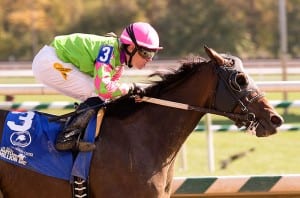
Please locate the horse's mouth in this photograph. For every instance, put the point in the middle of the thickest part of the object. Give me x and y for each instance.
(262, 127)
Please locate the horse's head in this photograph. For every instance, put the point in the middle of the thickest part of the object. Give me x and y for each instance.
(237, 93)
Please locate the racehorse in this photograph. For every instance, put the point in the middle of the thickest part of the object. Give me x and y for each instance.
(139, 141)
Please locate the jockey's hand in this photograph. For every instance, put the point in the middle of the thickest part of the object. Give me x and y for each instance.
(138, 99)
(136, 91)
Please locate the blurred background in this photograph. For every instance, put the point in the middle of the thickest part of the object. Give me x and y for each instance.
(265, 34)
(249, 29)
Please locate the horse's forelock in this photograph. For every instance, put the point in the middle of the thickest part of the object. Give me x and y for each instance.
(238, 64)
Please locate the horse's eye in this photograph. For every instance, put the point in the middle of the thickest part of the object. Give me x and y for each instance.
(242, 80)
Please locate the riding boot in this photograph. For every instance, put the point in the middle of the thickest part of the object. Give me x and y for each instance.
(69, 138)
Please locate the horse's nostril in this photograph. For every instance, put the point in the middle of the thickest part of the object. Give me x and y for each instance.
(276, 120)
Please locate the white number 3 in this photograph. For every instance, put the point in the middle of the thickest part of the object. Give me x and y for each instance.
(105, 54)
(25, 125)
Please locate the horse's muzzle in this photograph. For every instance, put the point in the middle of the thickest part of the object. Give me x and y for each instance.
(276, 120)
(269, 127)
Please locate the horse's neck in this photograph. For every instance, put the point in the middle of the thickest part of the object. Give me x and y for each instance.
(173, 126)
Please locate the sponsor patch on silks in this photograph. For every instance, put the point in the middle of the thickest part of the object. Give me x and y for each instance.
(28, 141)
(105, 54)
(63, 70)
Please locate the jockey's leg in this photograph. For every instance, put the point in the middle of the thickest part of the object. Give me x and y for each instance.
(69, 138)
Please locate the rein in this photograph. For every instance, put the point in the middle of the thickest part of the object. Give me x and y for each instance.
(167, 103)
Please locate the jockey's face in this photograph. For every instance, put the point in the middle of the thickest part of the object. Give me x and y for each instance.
(138, 61)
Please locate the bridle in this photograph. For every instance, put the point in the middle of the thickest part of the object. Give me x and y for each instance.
(229, 95)
(237, 94)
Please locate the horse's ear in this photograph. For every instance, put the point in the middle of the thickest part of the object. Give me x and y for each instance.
(213, 55)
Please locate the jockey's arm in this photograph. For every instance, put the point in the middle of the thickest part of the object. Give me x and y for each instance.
(106, 81)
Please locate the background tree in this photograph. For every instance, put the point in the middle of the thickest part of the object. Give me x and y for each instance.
(107, 16)
(245, 28)
(28, 23)
(191, 24)
(293, 15)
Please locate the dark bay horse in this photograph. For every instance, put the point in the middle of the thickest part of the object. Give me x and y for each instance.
(138, 143)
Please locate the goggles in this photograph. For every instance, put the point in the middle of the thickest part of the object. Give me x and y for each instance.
(146, 53)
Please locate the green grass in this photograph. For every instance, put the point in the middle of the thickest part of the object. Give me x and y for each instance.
(44, 98)
(277, 154)
(17, 80)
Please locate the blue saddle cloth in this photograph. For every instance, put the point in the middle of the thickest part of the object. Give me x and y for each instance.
(28, 141)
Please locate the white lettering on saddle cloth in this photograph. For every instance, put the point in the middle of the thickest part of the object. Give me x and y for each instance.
(19, 138)
(9, 154)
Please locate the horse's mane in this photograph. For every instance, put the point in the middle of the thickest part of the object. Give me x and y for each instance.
(126, 105)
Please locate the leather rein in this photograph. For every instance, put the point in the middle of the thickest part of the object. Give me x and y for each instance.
(184, 106)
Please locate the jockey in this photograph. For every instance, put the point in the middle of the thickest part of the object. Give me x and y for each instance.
(87, 67)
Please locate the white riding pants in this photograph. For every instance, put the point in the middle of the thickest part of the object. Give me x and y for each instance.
(63, 77)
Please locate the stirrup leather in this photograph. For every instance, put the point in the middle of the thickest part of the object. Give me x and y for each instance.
(69, 138)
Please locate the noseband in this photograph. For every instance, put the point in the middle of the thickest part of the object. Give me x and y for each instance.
(235, 90)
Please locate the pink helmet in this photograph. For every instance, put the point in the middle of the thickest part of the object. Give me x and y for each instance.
(141, 34)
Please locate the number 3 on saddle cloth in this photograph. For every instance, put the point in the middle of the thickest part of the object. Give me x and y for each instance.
(28, 141)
